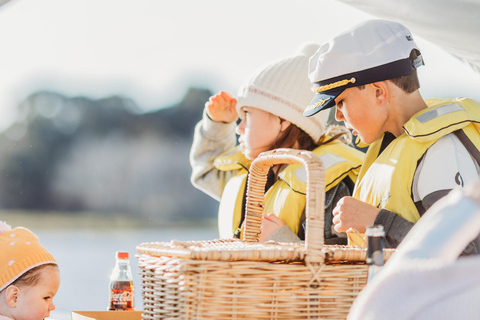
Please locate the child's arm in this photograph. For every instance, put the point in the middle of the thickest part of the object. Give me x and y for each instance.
(212, 138)
(355, 214)
(396, 227)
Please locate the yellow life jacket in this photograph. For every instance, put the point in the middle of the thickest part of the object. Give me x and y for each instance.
(232, 196)
(286, 198)
(385, 179)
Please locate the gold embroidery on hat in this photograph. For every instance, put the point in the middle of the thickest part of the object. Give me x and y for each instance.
(333, 85)
(316, 104)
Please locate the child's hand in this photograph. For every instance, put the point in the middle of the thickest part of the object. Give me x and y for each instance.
(221, 107)
(270, 224)
(352, 213)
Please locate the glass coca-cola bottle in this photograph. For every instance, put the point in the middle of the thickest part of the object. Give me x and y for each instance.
(121, 284)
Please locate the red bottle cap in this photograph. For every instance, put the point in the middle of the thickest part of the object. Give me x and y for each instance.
(122, 255)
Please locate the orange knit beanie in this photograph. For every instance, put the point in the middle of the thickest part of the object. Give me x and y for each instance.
(20, 251)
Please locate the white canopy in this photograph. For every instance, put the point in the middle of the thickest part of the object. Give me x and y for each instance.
(454, 25)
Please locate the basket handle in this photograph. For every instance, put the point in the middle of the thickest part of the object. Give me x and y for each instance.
(315, 199)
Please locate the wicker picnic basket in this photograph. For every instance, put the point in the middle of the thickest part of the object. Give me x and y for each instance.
(233, 279)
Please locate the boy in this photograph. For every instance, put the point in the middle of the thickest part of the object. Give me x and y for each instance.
(419, 150)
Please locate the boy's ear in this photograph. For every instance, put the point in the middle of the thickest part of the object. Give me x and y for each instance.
(284, 124)
(11, 295)
(382, 95)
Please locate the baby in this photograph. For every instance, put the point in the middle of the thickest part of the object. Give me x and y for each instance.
(29, 276)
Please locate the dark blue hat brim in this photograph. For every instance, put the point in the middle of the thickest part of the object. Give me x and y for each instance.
(322, 101)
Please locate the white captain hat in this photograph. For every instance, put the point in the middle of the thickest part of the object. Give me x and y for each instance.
(374, 50)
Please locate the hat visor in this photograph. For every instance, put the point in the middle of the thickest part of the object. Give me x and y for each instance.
(322, 101)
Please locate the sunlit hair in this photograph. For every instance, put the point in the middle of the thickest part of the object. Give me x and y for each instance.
(293, 134)
(410, 82)
(32, 277)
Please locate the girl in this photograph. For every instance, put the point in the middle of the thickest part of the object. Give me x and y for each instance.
(270, 105)
(29, 276)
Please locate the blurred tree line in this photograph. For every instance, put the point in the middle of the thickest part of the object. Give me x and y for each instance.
(74, 154)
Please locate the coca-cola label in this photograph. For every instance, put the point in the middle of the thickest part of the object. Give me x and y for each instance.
(121, 299)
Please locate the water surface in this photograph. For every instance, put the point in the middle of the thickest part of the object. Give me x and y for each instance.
(86, 258)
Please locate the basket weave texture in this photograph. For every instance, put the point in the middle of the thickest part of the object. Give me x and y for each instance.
(245, 279)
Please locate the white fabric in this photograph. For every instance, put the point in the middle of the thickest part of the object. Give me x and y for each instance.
(450, 157)
(283, 89)
(425, 279)
(452, 25)
(369, 44)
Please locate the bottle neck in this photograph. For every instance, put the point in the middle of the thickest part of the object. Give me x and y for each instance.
(122, 271)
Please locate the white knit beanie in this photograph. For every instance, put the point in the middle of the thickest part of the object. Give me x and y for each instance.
(283, 89)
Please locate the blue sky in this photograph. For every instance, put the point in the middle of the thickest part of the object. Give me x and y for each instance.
(152, 50)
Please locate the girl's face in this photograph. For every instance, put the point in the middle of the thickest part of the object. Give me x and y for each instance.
(36, 302)
(258, 131)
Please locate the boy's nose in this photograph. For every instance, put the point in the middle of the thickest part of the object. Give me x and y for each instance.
(339, 115)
